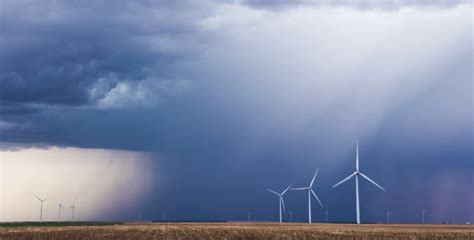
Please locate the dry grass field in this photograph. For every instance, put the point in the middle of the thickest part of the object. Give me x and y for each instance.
(240, 230)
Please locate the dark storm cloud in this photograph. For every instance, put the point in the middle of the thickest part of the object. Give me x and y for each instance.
(56, 52)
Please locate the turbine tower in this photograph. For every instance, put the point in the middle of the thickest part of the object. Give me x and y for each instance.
(423, 216)
(41, 208)
(357, 173)
(280, 199)
(327, 211)
(388, 216)
(310, 191)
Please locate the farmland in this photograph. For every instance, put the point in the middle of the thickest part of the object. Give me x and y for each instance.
(237, 230)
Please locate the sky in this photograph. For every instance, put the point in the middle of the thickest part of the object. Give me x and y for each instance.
(195, 108)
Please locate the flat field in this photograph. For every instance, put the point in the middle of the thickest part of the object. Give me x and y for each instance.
(238, 230)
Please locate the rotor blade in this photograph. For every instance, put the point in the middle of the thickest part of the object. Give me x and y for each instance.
(372, 181)
(286, 190)
(283, 204)
(298, 189)
(273, 192)
(357, 155)
(314, 194)
(38, 197)
(314, 177)
(345, 179)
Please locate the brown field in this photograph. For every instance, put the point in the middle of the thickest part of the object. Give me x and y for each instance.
(241, 230)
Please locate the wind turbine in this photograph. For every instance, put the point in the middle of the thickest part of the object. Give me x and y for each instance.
(310, 191)
(280, 198)
(357, 173)
(249, 214)
(327, 211)
(423, 216)
(73, 209)
(291, 216)
(41, 209)
(388, 216)
(60, 206)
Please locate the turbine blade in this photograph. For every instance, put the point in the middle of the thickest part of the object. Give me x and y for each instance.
(273, 192)
(357, 155)
(345, 179)
(372, 181)
(288, 188)
(283, 204)
(314, 177)
(298, 189)
(38, 197)
(314, 194)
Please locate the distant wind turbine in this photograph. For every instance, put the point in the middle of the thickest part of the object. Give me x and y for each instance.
(249, 214)
(357, 173)
(41, 208)
(291, 216)
(73, 210)
(281, 202)
(310, 191)
(388, 216)
(423, 216)
(327, 211)
(60, 207)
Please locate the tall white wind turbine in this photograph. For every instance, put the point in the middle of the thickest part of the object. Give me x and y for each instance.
(310, 191)
(281, 202)
(356, 174)
(41, 208)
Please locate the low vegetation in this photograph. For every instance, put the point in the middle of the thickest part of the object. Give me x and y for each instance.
(240, 231)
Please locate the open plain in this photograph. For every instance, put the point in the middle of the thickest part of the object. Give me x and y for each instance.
(239, 230)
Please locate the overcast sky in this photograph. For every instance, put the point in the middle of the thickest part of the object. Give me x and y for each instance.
(203, 105)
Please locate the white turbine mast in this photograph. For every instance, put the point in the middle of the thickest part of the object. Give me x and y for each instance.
(310, 191)
(356, 174)
(41, 207)
(423, 216)
(388, 216)
(326, 213)
(281, 202)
